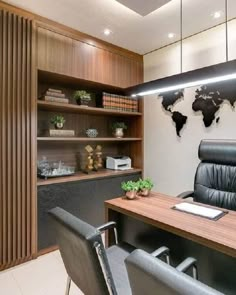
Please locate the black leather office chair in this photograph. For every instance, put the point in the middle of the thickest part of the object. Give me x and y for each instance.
(215, 178)
(151, 276)
(94, 269)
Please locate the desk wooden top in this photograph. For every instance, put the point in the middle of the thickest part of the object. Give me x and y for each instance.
(156, 210)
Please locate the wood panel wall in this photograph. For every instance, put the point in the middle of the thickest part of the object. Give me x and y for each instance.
(59, 49)
(17, 140)
(66, 55)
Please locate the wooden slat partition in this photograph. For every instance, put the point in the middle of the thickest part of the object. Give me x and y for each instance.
(17, 140)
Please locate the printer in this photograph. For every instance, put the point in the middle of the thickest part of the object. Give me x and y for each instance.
(118, 163)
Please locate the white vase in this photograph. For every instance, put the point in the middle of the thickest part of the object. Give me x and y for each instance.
(59, 125)
(119, 132)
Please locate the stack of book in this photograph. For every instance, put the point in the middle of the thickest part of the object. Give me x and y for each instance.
(119, 102)
(55, 95)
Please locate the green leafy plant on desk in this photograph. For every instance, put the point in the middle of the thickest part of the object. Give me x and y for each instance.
(145, 186)
(141, 187)
(131, 188)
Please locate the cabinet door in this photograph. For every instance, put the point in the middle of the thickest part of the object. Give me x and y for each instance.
(17, 140)
(64, 55)
(84, 199)
(55, 52)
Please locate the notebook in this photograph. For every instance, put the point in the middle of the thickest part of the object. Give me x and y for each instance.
(200, 210)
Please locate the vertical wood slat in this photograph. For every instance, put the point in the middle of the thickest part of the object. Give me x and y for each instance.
(1, 141)
(17, 114)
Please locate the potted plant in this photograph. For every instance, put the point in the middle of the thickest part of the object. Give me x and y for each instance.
(58, 121)
(131, 189)
(118, 129)
(145, 186)
(82, 97)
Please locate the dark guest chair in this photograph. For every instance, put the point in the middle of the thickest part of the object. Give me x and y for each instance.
(149, 275)
(94, 269)
(215, 178)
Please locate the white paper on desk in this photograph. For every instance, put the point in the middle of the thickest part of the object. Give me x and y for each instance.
(198, 210)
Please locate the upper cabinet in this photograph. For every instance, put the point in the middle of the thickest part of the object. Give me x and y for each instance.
(65, 55)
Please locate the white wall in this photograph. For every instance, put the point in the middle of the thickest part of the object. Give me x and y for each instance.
(169, 160)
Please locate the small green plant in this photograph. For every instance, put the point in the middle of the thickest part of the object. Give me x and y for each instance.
(130, 186)
(145, 184)
(58, 119)
(82, 94)
(116, 125)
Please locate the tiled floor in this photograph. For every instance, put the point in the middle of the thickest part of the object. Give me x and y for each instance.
(43, 276)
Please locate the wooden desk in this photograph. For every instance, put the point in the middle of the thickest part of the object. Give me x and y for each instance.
(156, 210)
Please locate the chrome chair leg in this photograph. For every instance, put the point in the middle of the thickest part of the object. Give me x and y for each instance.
(68, 284)
(195, 272)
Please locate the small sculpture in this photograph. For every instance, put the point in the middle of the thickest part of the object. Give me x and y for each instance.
(89, 166)
(98, 158)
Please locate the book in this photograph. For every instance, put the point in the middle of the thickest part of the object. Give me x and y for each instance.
(55, 99)
(119, 102)
(59, 132)
(54, 90)
(55, 94)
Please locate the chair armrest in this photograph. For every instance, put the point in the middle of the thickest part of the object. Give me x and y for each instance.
(162, 251)
(185, 195)
(108, 226)
(188, 263)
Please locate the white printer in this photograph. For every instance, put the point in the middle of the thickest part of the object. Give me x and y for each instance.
(118, 163)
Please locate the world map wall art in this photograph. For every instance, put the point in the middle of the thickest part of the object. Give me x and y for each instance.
(208, 100)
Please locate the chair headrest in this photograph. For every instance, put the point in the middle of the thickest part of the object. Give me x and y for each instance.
(218, 151)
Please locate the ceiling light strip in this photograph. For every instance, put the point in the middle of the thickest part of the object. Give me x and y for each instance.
(187, 85)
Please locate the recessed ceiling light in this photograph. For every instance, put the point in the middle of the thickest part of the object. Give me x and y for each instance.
(107, 32)
(217, 14)
(171, 35)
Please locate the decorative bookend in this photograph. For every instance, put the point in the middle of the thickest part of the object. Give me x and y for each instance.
(98, 158)
(89, 160)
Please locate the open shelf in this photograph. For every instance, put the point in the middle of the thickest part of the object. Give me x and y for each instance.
(82, 176)
(75, 82)
(71, 108)
(86, 139)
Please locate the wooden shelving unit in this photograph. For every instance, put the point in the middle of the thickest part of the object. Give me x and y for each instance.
(71, 108)
(79, 176)
(87, 139)
(80, 118)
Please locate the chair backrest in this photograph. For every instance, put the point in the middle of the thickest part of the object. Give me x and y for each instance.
(83, 253)
(149, 275)
(215, 179)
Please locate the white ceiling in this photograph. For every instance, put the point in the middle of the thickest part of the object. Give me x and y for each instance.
(130, 30)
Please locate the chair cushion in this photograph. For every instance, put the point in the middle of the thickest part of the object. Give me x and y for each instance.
(116, 255)
(216, 185)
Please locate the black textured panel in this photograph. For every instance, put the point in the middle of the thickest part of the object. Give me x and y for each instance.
(84, 199)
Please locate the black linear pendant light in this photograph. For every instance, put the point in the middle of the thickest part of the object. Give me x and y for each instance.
(207, 75)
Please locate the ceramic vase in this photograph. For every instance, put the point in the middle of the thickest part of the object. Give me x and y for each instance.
(131, 195)
(119, 132)
(59, 126)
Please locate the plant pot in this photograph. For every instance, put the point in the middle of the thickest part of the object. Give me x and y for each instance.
(59, 126)
(119, 132)
(144, 192)
(131, 195)
(83, 102)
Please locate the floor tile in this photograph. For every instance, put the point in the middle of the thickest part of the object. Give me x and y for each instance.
(43, 276)
(39, 275)
(8, 285)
